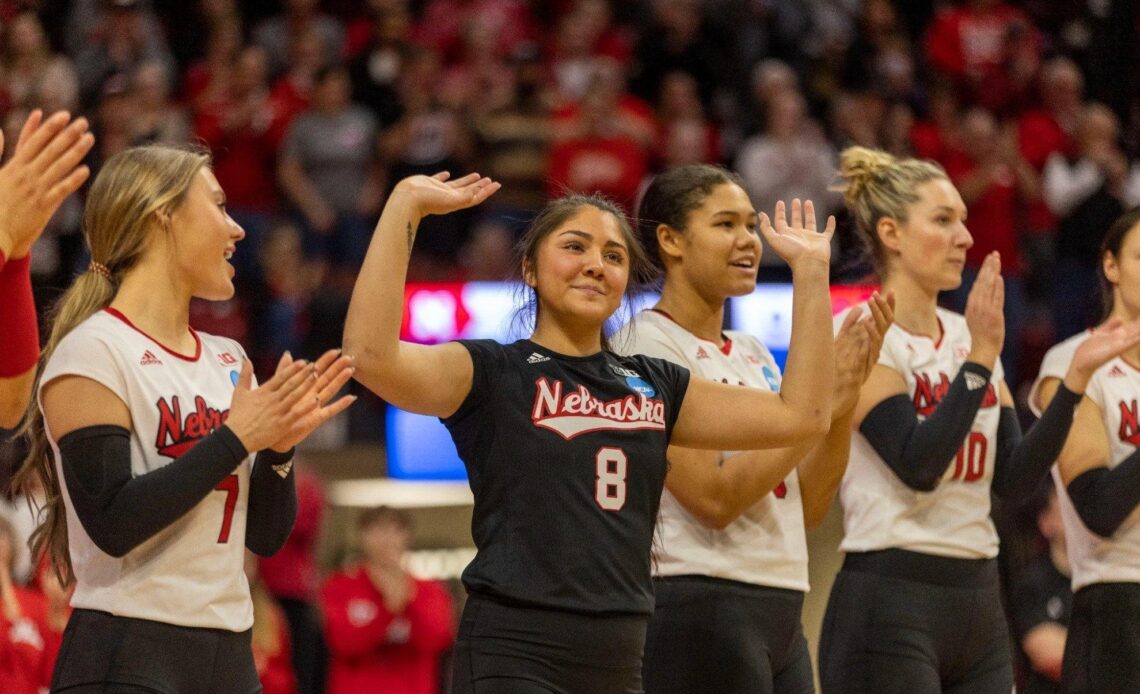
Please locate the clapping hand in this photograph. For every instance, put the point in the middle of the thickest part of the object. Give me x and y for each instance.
(984, 316)
(1104, 343)
(857, 347)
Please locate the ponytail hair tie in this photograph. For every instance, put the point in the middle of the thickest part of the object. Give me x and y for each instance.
(100, 269)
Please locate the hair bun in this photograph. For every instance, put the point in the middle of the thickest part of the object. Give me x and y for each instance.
(858, 165)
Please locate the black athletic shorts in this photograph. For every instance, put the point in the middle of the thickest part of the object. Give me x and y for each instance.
(902, 622)
(104, 653)
(716, 635)
(1102, 651)
(510, 649)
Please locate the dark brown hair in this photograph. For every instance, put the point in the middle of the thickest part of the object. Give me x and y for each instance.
(672, 196)
(545, 223)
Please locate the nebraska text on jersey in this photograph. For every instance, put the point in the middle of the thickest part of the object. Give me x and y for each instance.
(579, 412)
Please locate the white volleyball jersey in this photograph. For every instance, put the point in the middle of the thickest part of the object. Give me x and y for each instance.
(1115, 388)
(1055, 364)
(190, 573)
(766, 544)
(953, 520)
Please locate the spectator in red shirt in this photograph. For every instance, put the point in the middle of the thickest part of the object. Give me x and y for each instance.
(57, 610)
(386, 630)
(22, 668)
(987, 46)
(243, 130)
(603, 148)
(996, 183)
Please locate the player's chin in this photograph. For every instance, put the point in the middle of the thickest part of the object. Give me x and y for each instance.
(221, 291)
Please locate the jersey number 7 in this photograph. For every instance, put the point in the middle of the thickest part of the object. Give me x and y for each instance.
(230, 486)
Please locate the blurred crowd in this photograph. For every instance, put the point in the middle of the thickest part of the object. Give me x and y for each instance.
(312, 112)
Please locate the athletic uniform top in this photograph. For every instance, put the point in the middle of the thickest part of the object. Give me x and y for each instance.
(190, 573)
(953, 520)
(566, 458)
(1055, 365)
(1115, 388)
(766, 544)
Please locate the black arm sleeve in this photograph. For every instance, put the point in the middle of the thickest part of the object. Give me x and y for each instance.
(120, 512)
(272, 502)
(1022, 462)
(1105, 498)
(920, 452)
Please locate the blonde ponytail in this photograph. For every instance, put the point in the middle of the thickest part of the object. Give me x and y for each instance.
(133, 186)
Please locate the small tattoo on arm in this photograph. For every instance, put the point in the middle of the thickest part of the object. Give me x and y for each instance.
(411, 237)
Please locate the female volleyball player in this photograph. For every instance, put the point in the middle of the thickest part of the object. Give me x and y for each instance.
(916, 606)
(730, 559)
(564, 441)
(165, 462)
(1098, 482)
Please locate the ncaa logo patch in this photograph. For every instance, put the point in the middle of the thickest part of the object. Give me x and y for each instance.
(641, 386)
(770, 377)
(234, 378)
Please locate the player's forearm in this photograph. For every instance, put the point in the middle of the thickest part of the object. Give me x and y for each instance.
(272, 502)
(810, 368)
(372, 328)
(749, 477)
(822, 470)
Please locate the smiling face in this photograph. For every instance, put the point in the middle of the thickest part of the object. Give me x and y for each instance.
(718, 252)
(931, 245)
(581, 269)
(205, 238)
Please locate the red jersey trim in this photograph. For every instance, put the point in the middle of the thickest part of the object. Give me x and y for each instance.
(937, 342)
(725, 349)
(197, 340)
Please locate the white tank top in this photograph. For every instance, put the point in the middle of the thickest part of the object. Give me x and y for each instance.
(953, 520)
(1115, 388)
(766, 544)
(190, 573)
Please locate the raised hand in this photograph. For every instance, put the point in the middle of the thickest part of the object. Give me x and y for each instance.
(984, 316)
(800, 240)
(41, 174)
(1105, 342)
(332, 370)
(439, 195)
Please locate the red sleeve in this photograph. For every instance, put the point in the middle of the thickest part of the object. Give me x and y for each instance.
(20, 338)
(432, 618)
(349, 636)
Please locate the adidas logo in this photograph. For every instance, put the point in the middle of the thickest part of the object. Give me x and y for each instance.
(975, 381)
(148, 359)
(702, 354)
(536, 358)
(1116, 371)
(283, 469)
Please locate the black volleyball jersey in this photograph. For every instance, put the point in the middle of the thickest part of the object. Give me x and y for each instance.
(566, 459)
